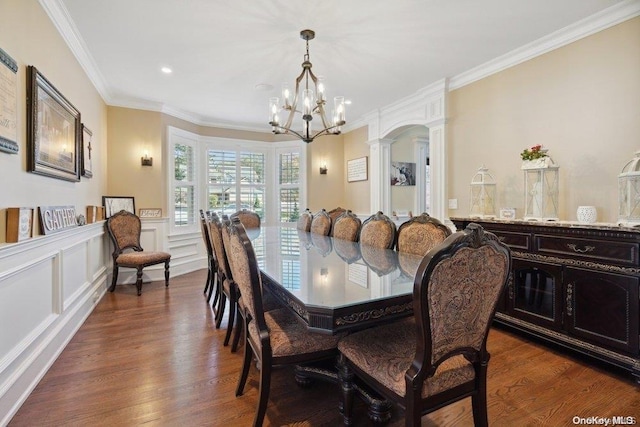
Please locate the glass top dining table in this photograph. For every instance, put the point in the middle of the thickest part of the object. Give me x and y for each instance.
(334, 285)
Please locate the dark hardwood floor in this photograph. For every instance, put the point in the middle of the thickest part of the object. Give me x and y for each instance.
(158, 360)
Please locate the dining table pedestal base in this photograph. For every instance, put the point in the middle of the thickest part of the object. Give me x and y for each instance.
(379, 409)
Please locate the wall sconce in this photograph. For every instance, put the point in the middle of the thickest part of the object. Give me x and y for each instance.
(146, 160)
(323, 168)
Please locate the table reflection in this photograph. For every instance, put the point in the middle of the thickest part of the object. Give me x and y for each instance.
(324, 272)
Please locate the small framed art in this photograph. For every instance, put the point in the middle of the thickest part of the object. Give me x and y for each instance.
(150, 213)
(19, 224)
(115, 204)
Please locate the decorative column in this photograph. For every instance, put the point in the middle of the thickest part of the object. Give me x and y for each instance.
(380, 175)
(421, 153)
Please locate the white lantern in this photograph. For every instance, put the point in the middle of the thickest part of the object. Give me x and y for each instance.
(541, 189)
(629, 192)
(483, 195)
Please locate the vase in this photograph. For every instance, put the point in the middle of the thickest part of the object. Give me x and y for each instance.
(587, 214)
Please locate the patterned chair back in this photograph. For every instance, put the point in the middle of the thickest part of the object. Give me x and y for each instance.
(335, 213)
(215, 231)
(455, 294)
(378, 230)
(346, 227)
(321, 223)
(124, 229)
(244, 268)
(249, 219)
(304, 222)
(420, 234)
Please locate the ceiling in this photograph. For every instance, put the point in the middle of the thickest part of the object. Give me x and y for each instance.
(224, 52)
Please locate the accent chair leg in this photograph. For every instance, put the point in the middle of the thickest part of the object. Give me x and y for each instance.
(114, 279)
(139, 281)
(166, 273)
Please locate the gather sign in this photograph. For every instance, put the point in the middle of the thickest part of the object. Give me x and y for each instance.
(57, 218)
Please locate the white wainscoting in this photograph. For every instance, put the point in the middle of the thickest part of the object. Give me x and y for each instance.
(50, 284)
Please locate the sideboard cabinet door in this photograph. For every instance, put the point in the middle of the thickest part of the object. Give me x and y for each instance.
(602, 308)
(536, 293)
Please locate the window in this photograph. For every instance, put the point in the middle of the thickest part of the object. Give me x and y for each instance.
(289, 185)
(183, 193)
(236, 180)
(225, 175)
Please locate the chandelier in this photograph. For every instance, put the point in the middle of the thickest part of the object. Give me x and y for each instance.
(308, 102)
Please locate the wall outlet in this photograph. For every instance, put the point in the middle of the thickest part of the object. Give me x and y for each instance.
(453, 203)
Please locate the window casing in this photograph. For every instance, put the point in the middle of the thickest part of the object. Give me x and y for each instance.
(183, 179)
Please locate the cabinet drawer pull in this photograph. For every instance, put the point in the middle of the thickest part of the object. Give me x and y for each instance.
(579, 250)
(570, 299)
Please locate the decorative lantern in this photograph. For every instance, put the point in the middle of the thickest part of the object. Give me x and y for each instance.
(629, 192)
(540, 189)
(483, 195)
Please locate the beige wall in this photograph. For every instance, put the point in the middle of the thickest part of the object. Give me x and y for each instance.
(29, 37)
(325, 191)
(581, 101)
(357, 194)
(132, 131)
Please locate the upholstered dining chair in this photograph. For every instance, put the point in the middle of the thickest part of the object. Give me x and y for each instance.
(321, 223)
(439, 355)
(346, 227)
(335, 213)
(420, 234)
(378, 230)
(228, 290)
(304, 222)
(124, 230)
(277, 337)
(248, 218)
(210, 286)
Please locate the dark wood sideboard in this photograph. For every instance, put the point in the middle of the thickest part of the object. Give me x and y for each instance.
(574, 285)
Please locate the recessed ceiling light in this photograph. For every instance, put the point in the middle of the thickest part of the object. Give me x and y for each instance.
(263, 87)
(166, 70)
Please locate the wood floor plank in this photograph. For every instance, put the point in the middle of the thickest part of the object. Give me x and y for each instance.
(158, 360)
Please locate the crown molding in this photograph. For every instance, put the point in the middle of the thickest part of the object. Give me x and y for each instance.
(59, 16)
(609, 17)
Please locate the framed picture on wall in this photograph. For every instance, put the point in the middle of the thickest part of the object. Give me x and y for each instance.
(403, 173)
(8, 103)
(87, 167)
(357, 169)
(114, 204)
(53, 130)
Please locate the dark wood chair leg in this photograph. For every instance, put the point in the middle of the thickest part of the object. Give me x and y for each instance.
(263, 399)
(166, 273)
(220, 313)
(479, 399)
(246, 364)
(207, 284)
(214, 287)
(238, 332)
(114, 279)
(233, 307)
(139, 281)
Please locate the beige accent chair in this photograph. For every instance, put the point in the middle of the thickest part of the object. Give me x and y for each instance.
(304, 222)
(124, 230)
